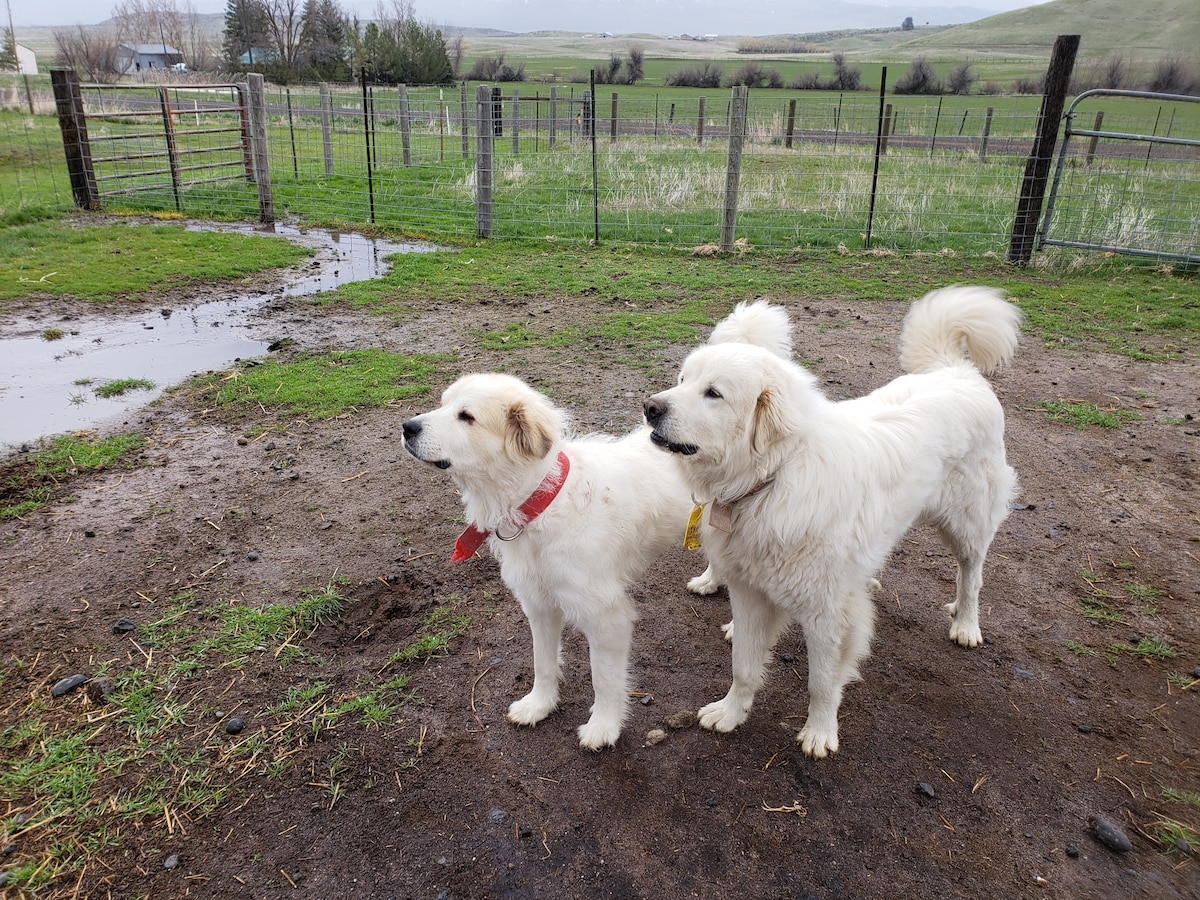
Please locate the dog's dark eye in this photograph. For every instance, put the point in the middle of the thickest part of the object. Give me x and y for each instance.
(712, 394)
(465, 416)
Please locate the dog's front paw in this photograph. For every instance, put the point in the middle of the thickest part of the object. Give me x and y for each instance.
(531, 709)
(596, 734)
(705, 583)
(727, 630)
(816, 742)
(721, 716)
(962, 632)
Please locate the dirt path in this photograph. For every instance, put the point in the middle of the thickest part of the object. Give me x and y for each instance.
(960, 772)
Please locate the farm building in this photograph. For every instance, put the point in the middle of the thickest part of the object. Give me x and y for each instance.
(133, 58)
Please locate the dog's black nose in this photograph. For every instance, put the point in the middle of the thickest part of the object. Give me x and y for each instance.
(655, 409)
(411, 429)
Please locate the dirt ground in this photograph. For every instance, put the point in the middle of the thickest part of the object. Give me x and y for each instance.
(961, 772)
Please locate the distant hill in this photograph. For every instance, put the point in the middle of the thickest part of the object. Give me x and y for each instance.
(1142, 29)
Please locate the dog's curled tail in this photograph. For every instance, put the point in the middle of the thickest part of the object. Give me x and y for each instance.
(758, 323)
(948, 325)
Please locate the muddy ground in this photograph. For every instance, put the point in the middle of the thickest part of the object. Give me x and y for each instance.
(961, 772)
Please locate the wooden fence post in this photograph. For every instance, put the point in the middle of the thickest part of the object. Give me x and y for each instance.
(733, 165)
(553, 115)
(987, 130)
(485, 136)
(73, 124)
(327, 127)
(612, 122)
(405, 135)
(258, 147)
(1091, 152)
(887, 130)
(164, 99)
(1037, 166)
(791, 123)
(700, 123)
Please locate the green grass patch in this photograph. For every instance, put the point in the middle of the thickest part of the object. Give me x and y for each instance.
(157, 762)
(433, 637)
(1147, 648)
(30, 481)
(323, 386)
(1083, 415)
(122, 386)
(108, 263)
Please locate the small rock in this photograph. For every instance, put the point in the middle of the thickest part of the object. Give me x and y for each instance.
(218, 714)
(711, 802)
(99, 690)
(924, 787)
(9, 849)
(787, 658)
(88, 532)
(646, 701)
(123, 626)
(1085, 729)
(498, 816)
(683, 719)
(1110, 834)
(3, 879)
(1196, 672)
(655, 736)
(242, 442)
(234, 725)
(1072, 851)
(68, 684)
(270, 446)
(252, 556)
(171, 862)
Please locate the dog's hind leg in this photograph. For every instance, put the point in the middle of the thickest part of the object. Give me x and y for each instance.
(546, 625)
(757, 625)
(968, 534)
(610, 640)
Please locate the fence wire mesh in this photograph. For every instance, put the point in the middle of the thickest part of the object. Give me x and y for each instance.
(654, 171)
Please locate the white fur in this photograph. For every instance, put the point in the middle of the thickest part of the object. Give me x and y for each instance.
(622, 504)
(845, 481)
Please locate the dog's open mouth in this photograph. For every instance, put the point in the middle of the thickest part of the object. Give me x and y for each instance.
(440, 463)
(682, 449)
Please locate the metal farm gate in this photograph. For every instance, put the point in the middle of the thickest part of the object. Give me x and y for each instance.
(123, 140)
(1129, 189)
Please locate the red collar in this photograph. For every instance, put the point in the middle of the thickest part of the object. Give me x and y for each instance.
(472, 539)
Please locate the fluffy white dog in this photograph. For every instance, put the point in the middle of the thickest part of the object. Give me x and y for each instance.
(572, 523)
(807, 497)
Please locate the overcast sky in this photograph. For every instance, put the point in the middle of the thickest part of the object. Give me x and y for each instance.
(627, 16)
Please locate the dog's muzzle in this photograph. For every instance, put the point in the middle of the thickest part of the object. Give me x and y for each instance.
(655, 410)
(412, 430)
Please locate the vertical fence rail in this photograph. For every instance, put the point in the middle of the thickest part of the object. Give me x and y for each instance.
(733, 166)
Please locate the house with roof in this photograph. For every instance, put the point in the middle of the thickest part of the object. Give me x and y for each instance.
(134, 58)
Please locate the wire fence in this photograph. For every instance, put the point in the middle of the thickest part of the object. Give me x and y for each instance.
(814, 168)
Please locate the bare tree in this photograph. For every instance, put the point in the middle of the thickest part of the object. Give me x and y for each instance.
(285, 22)
(91, 52)
(845, 76)
(1116, 72)
(961, 80)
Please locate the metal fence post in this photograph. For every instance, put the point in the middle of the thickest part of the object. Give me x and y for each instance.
(405, 137)
(516, 116)
(258, 147)
(612, 122)
(465, 116)
(733, 166)
(172, 150)
(700, 123)
(791, 123)
(327, 127)
(73, 124)
(1037, 166)
(485, 137)
(553, 115)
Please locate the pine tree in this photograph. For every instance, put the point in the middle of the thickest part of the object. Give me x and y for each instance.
(245, 30)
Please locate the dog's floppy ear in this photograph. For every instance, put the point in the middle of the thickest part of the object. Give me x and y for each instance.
(529, 430)
(770, 423)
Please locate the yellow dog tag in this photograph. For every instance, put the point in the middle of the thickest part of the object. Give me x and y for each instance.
(691, 536)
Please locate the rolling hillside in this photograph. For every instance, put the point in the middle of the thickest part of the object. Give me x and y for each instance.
(1145, 30)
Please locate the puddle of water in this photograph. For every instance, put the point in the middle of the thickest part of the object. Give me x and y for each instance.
(48, 387)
